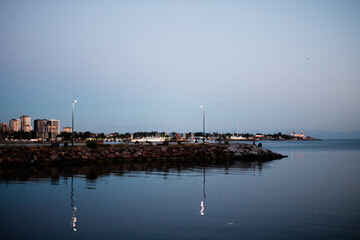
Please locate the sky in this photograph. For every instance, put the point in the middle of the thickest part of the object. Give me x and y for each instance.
(149, 65)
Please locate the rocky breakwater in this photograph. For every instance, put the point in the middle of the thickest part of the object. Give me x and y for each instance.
(137, 153)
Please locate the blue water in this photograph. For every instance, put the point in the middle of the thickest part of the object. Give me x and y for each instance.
(312, 194)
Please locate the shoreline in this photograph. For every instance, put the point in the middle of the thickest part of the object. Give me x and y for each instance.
(47, 155)
(47, 143)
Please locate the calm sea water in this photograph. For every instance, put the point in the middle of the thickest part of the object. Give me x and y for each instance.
(312, 194)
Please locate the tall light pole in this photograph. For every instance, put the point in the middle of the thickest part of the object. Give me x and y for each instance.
(72, 122)
(203, 108)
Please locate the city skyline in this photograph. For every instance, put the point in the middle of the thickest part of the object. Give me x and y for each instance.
(49, 130)
(139, 66)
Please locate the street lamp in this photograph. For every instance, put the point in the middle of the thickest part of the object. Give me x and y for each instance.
(203, 108)
(72, 122)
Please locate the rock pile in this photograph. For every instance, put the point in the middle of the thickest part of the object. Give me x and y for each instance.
(137, 153)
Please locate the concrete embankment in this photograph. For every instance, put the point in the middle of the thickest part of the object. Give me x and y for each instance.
(136, 153)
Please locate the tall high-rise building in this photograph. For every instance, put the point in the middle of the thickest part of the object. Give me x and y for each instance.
(47, 128)
(14, 125)
(40, 127)
(3, 130)
(52, 128)
(25, 122)
(3, 127)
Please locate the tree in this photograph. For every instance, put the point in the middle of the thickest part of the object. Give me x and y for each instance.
(101, 135)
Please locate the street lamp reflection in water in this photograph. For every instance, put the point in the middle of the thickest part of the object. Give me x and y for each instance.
(202, 203)
(73, 208)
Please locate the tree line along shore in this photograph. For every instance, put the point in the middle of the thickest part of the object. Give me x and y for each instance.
(32, 136)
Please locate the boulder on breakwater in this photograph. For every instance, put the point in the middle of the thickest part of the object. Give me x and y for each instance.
(136, 153)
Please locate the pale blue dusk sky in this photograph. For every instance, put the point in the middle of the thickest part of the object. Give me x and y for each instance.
(149, 65)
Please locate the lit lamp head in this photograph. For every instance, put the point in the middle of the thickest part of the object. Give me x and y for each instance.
(75, 101)
(202, 106)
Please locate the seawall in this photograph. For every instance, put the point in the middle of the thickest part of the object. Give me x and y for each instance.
(136, 153)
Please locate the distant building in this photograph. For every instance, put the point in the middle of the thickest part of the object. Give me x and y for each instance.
(25, 123)
(3, 127)
(300, 136)
(260, 136)
(52, 129)
(40, 127)
(14, 125)
(47, 128)
(67, 129)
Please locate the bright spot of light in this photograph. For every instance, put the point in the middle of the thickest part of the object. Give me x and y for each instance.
(202, 205)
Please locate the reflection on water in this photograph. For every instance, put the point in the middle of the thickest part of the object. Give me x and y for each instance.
(313, 194)
(94, 171)
(73, 208)
(296, 155)
(202, 203)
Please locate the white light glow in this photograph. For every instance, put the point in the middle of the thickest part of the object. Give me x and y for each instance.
(202, 208)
